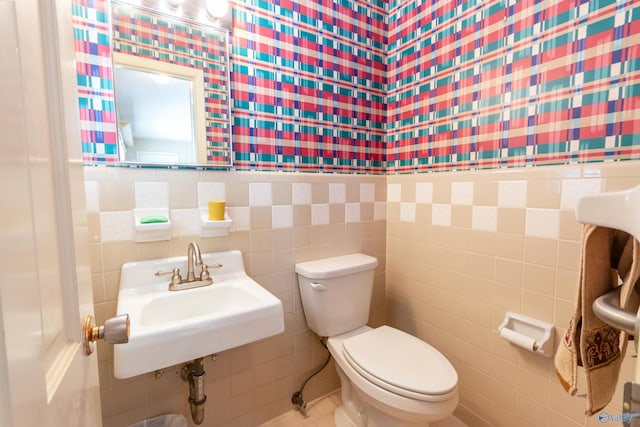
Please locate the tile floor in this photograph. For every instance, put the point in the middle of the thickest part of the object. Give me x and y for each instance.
(320, 414)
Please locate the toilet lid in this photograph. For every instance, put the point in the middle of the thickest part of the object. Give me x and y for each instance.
(401, 363)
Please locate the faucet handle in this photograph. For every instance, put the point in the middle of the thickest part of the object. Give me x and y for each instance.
(176, 278)
(204, 273)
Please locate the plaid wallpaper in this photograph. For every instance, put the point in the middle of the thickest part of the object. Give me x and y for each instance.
(490, 84)
(398, 86)
(95, 81)
(309, 85)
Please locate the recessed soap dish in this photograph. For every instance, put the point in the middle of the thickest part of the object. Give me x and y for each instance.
(216, 228)
(153, 231)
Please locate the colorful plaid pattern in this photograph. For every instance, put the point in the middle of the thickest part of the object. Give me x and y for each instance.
(149, 35)
(408, 85)
(309, 85)
(94, 71)
(481, 84)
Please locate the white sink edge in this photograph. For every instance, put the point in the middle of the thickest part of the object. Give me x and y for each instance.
(143, 365)
(161, 345)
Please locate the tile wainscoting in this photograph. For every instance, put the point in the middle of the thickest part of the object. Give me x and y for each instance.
(278, 220)
(456, 249)
(465, 247)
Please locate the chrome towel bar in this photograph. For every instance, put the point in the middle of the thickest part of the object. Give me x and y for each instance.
(607, 308)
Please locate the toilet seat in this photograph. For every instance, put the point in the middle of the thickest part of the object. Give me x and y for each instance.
(401, 363)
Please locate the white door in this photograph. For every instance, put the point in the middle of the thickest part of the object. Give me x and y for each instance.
(45, 291)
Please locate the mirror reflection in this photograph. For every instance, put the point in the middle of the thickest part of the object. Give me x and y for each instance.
(159, 117)
(171, 82)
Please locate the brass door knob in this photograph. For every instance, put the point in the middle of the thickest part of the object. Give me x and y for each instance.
(114, 331)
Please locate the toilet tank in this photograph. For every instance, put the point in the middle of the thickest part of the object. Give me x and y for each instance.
(336, 292)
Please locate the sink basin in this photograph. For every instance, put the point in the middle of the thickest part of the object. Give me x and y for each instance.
(172, 327)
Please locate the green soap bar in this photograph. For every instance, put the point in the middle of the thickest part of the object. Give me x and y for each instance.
(153, 219)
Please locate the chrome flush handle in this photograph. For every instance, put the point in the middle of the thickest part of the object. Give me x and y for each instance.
(318, 286)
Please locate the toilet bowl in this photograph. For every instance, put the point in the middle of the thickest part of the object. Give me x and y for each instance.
(393, 379)
(388, 377)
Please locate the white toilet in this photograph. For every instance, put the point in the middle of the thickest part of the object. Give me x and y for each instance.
(388, 377)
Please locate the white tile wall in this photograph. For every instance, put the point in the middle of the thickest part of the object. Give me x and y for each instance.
(495, 369)
(92, 192)
(394, 192)
(512, 194)
(352, 212)
(572, 189)
(462, 193)
(282, 216)
(320, 214)
(211, 191)
(542, 223)
(185, 222)
(408, 212)
(424, 192)
(441, 214)
(301, 193)
(367, 192)
(151, 195)
(484, 218)
(379, 210)
(270, 250)
(240, 218)
(260, 194)
(521, 254)
(337, 193)
(116, 226)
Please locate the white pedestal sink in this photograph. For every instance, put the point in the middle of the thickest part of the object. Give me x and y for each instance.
(171, 327)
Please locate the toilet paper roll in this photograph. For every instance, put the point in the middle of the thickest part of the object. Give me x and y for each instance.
(520, 340)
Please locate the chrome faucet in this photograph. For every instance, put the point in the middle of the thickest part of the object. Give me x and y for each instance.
(193, 250)
(194, 258)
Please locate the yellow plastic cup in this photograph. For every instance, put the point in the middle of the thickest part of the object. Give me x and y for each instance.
(216, 211)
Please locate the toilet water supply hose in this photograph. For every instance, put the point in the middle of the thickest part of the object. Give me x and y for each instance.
(297, 398)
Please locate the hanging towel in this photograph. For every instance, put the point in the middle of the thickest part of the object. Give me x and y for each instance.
(609, 259)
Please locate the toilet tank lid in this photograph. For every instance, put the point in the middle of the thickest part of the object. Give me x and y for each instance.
(327, 268)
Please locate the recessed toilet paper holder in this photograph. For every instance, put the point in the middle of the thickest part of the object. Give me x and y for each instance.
(528, 333)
